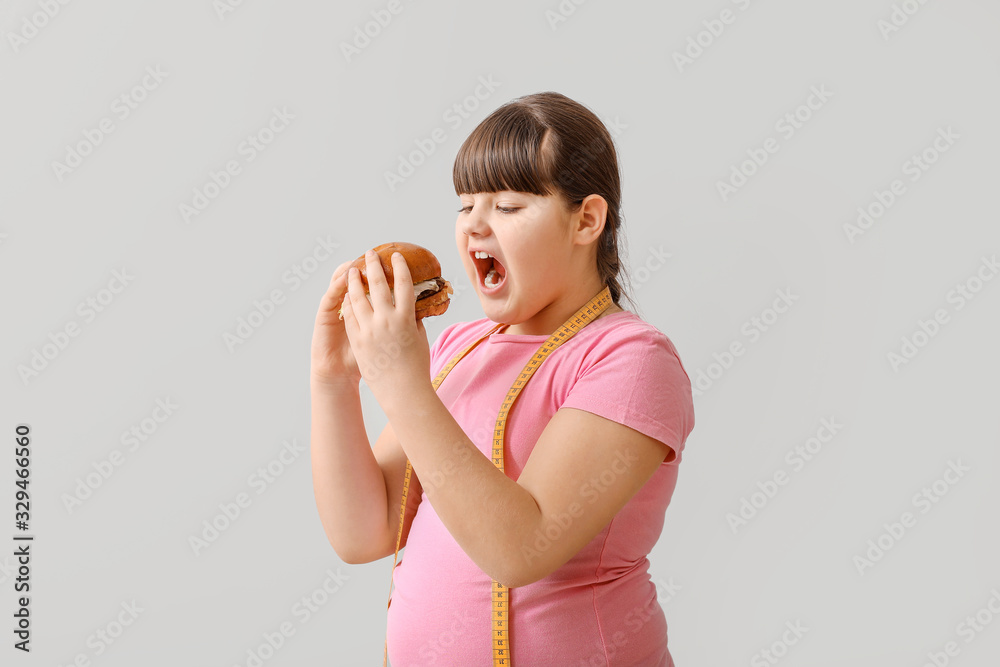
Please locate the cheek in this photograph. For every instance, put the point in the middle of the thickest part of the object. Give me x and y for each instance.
(460, 245)
(534, 260)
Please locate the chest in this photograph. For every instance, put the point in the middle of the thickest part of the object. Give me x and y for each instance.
(476, 388)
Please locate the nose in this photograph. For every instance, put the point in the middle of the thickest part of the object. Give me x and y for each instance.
(473, 223)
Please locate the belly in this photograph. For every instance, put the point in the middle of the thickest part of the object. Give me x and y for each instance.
(440, 612)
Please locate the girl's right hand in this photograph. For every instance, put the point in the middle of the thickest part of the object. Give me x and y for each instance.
(333, 360)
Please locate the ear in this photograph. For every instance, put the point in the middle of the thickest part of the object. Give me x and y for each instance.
(590, 218)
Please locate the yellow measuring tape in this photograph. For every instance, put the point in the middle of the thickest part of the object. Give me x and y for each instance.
(501, 594)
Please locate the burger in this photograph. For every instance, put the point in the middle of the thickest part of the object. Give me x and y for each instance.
(429, 288)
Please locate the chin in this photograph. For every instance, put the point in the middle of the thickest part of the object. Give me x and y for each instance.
(502, 314)
(492, 310)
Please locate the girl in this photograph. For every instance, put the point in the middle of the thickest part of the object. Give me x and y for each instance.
(533, 551)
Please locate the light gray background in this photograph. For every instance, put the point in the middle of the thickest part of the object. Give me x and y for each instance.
(163, 336)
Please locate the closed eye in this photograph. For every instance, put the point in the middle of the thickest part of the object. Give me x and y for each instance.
(502, 209)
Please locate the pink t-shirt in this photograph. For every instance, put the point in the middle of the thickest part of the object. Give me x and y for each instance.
(600, 608)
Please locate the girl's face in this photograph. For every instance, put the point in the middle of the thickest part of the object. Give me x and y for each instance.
(543, 255)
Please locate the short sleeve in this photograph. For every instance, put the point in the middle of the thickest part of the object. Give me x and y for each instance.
(638, 380)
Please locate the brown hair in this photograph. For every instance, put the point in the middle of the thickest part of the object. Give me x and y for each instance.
(546, 144)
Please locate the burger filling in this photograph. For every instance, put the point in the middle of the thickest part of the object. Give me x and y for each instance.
(492, 272)
(492, 278)
(421, 290)
(426, 288)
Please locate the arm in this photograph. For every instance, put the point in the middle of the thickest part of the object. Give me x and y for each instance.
(347, 482)
(493, 518)
(350, 479)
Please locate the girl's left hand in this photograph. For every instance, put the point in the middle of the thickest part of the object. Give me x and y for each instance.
(389, 343)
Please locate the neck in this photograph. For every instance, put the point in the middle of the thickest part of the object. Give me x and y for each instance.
(546, 321)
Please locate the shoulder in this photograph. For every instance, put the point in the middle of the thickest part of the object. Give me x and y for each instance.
(630, 372)
(628, 340)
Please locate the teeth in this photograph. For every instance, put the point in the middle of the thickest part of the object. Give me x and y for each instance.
(480, 254)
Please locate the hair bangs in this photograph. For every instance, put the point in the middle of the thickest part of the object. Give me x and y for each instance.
(507, 151)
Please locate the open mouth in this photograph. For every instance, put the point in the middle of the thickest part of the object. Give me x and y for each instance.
(492, 274)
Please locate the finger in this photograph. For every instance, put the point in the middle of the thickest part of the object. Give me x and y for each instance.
(403, 287)
(347, 314)
(337, 288)
(361, 309)
(378, 286)
(333, 298)
(342, 267)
